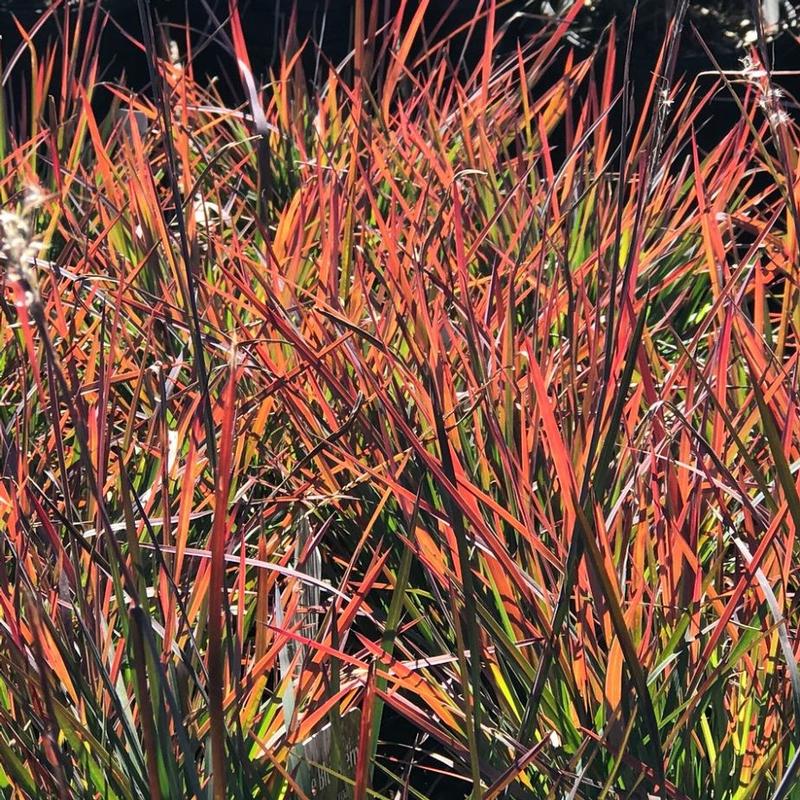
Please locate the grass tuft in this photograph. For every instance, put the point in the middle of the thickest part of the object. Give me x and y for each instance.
(421, 429)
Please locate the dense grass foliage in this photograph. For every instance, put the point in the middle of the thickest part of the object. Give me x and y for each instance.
(417, 423)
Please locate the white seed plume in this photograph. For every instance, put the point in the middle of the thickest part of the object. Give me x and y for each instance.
(19, 248)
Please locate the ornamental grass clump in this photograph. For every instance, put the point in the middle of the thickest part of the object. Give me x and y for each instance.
(423, 428)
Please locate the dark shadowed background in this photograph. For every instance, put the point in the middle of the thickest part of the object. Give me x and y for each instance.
(722, 25)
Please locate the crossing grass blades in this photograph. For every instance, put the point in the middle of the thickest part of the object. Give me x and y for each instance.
(413, 429)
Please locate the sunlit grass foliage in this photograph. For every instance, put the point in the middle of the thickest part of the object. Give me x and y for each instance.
(407, 420)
